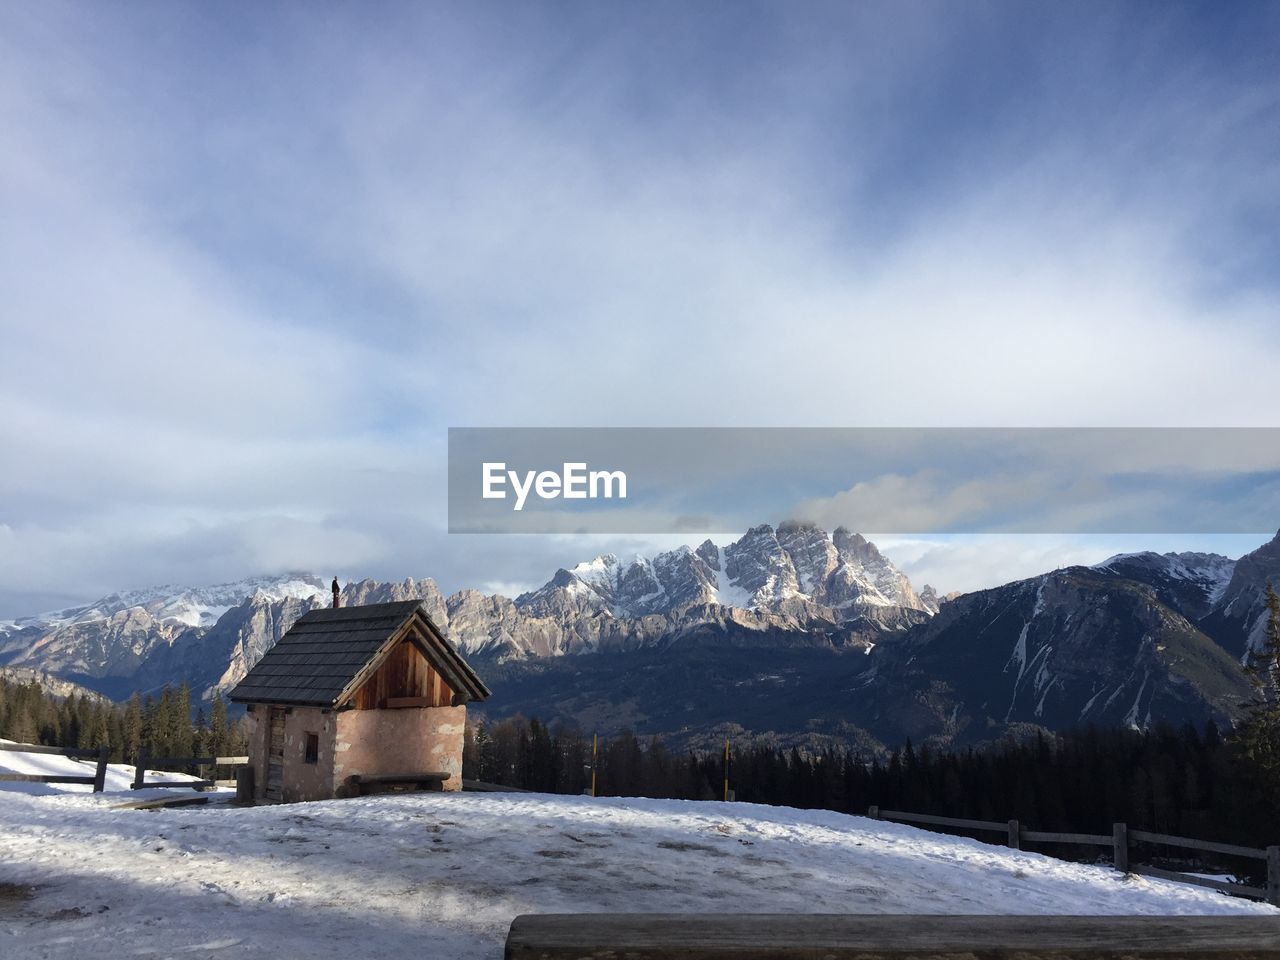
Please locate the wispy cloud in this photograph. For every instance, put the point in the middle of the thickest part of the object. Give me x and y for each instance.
(255, 261)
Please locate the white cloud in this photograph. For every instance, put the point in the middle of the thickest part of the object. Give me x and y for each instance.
(247, 291)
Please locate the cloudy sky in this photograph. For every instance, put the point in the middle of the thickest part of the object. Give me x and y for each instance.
(257, 259)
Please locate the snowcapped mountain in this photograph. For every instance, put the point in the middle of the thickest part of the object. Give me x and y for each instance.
(767, 570)
(759, 630)
(1191, 583)
(118, 635)
(1222, 597)
(182, 606)
(770, 583)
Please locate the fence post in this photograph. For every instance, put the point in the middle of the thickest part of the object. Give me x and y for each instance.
(100, 774)
(1273, 876)
(244, 784)
(1015, 835)
(141, 775)
(1120, 843)
(873, 812)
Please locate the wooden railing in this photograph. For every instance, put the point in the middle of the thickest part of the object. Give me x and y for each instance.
(144, 763)
(97, 781)
(147, 762)
(1121, 842)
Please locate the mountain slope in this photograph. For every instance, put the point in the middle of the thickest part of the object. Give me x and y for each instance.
(1190, 583)
(1239, 617)
(1073, 647)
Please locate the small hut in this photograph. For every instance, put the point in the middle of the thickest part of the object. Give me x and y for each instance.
(354, 699)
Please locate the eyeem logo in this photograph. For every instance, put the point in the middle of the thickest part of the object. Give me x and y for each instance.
(575, 482)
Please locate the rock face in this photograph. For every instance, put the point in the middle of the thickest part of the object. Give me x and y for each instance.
(54, 686)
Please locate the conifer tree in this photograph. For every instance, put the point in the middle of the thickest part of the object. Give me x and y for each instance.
(132, 727)
(219, 730)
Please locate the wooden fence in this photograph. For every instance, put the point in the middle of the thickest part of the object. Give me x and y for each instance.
(147, 762)
(1121, 842)
(97, 781)
(144, 763)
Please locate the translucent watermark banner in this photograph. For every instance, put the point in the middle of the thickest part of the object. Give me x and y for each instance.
(910, 480)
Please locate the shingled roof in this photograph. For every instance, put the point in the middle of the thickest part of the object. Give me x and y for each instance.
(329, 653)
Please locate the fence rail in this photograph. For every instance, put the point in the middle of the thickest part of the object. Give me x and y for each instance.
(98, 781)
(147, 762)
(1121, 843)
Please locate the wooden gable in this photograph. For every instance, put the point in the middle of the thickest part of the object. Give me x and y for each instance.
(404, 679)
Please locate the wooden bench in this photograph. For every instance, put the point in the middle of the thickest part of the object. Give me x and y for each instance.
(367, 783)
(727, 936)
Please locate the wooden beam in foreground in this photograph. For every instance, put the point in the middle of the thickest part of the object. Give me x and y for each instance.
(640, 936)
(161, 804)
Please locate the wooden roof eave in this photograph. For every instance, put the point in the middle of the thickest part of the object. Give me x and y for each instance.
(444, 660)
(372, 664)
(462, 679)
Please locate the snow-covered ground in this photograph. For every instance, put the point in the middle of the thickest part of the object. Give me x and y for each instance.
(442, 875)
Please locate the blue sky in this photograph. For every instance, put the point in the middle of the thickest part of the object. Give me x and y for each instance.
(258, 259)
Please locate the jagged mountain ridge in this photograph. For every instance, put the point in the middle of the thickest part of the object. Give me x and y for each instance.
(766, 570)
(120, 634)
(794, 579)
(1069, 648)
(759, 632)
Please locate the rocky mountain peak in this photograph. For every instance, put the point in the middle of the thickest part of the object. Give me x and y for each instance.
(929, 597)
(768, 570)
(857, 546)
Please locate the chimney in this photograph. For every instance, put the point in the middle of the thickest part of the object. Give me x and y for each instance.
(337, 599)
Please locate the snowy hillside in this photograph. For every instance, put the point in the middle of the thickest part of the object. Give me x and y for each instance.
(442, 875)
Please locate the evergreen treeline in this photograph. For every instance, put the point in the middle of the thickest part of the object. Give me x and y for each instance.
(164, 725)
(1189, 782)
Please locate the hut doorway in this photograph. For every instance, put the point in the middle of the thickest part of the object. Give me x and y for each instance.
(275, 755)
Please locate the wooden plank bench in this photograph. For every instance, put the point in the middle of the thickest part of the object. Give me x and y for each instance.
(367, 783)
(726, 936)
